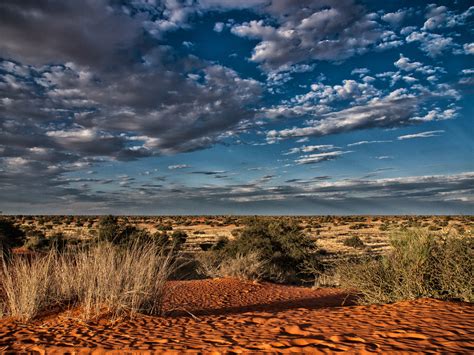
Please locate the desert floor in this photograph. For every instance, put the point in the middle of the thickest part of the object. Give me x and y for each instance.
(227, 315)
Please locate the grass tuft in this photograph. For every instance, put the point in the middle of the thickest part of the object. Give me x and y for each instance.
(103, 279)
(419, 264)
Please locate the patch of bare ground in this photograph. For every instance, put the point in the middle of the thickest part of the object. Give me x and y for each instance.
(227, 315)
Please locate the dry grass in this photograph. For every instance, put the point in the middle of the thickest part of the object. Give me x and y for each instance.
(243, 266)
(420, 264)
(103, 279)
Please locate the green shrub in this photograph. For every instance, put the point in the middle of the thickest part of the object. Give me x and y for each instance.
(354, 242)
(281, 245)
(111, 231)
(419, 265)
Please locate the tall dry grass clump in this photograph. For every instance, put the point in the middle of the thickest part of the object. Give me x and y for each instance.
(103, 279)
(26, 286)
(248, 266)
(419, 264)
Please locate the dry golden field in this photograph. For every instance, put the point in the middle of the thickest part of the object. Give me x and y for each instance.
(329, 232)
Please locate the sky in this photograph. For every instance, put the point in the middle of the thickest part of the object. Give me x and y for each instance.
(248, 107)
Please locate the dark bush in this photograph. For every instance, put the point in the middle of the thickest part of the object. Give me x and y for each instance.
(354, 242)
(179, 237)
(111, 231)
(36, 240)
(10, 236)
(108, 229)
(164, 227)
(281, 245)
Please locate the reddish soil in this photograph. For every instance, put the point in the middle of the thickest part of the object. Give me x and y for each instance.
(233, 316)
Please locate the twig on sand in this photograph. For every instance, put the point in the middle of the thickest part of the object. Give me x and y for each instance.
(183, 309)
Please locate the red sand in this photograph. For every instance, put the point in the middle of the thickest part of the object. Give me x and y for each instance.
(235, 316)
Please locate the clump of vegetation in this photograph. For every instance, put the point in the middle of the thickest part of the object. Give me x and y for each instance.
(36, 241)
(11, 236)
(104, 279)
(246, 267)
(283, 251)
(110, 230)
(354, 242)
(419, 265)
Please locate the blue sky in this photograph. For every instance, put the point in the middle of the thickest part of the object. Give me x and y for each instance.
(236, 107)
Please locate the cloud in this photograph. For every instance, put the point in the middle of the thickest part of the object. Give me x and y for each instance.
(395, 18)
(404, 64)
(319, 157)
(210, 172)
(383, 113)
(367, 142)
(70, 24)
(219, 26)
(432, 44)
(468, 48)
(178, 166)
(440, 17)
(426, 134)
(309, 149)
(362, 71)
(309, 30)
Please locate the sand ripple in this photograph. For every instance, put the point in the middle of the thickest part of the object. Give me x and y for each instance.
(233, 316)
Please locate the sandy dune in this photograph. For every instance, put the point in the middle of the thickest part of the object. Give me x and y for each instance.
(229, 315)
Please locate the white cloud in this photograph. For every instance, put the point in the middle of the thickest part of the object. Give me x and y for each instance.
(309, 30)
(310, 148)
(426, 134)
(368, 142)
(319, 157)
(178, 166)
(395, 18)
(432, 44)
(404, 63)
(219, 26)
(468, 48)
(440, 17)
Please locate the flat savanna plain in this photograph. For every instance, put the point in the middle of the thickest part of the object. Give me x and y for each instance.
(329, 232)
(230, 315)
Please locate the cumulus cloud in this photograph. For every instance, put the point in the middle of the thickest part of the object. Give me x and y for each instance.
(469, 48)
(442, 17)
(432, 44)
(308, 30)
(405, 64)
(395, 18)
